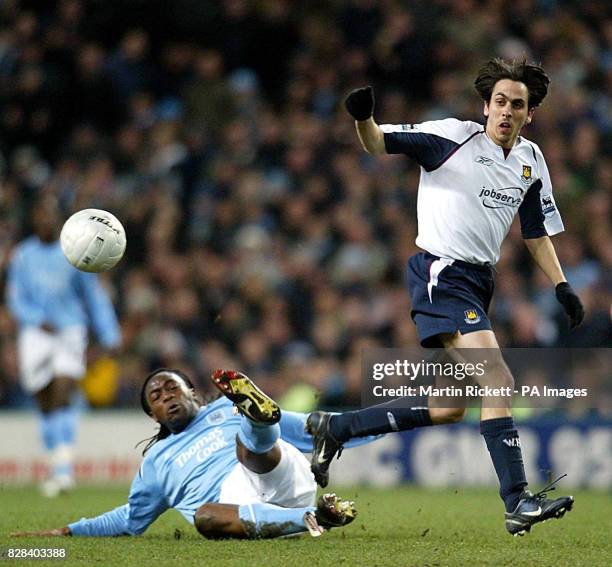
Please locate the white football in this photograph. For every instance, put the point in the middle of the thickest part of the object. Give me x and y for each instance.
(93, 240)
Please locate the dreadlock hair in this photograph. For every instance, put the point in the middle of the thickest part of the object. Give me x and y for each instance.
(532, 75)
(163, 431)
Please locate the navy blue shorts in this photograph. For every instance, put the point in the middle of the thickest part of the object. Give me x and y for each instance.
(448, 296)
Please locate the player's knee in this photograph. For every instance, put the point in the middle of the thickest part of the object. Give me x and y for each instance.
(455, 415)
(498, 374)
(503, 377)
(441, 416)
(205, 521)
(508, 380)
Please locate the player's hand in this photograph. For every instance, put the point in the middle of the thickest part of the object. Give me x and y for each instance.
(360, 103)
(567, 297)
(65, 531)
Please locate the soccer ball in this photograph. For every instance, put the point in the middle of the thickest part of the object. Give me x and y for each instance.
(93, 240)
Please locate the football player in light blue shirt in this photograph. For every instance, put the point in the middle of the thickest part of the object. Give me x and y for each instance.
(230, 474)
(54, 304)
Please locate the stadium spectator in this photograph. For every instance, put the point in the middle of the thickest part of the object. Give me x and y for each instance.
(291, 153)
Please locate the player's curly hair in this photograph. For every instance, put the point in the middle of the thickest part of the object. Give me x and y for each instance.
(532, 75)
(163, 431)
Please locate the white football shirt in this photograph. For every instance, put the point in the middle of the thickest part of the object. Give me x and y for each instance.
(469, 192)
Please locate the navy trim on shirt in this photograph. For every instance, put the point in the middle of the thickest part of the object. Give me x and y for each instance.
(530, 213)
(535, 157)
(430, 151)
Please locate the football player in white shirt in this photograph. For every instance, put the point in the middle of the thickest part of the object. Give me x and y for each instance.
(474, 180)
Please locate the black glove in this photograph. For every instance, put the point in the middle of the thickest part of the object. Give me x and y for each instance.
(567, 297)
(360, 103)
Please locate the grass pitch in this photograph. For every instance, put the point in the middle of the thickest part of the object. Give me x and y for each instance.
(404, 527)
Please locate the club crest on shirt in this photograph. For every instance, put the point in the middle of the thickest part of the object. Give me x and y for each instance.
(216, 417)
(471, 316)
(526, 175)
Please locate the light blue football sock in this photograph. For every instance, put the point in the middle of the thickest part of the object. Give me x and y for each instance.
(268, 520)
(258, 437)
(69, 416)
(58, 431)
(62, 458)
(51, 429)
(62, 465)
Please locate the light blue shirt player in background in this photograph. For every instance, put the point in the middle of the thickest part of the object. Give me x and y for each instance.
(231, 475)
(54, 304)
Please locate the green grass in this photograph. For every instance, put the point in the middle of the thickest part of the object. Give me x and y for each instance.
(400, 528)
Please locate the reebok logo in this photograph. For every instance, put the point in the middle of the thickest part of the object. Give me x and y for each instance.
(484, 161)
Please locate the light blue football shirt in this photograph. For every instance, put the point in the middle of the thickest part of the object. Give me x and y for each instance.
(43, 287)
(186, 470)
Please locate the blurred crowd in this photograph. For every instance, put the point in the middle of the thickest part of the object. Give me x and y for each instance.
(260, 235)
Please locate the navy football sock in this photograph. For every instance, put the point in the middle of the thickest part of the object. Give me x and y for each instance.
(376, 420)
(504, 447)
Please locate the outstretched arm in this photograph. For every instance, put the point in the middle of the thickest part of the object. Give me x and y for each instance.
(360, 105)
(371, 136)
(65, 531)
(145, 504)
(113, 523)
(544, 255)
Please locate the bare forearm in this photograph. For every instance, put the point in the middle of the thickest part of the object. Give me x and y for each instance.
(544, 255)
(65, 531)
(371, 136)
